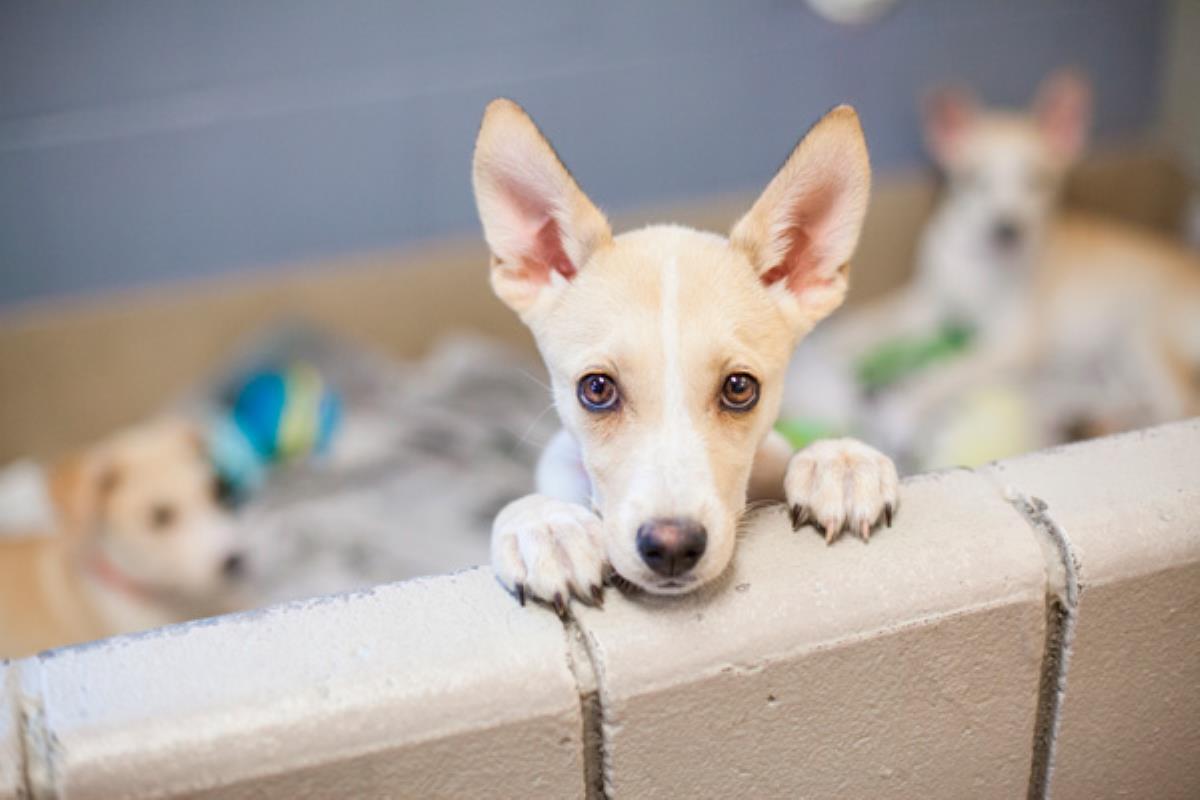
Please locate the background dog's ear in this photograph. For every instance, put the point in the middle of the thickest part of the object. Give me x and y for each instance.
(947, 113)
(801, 232)
(1063, 108)
(187, 432)
(539, 225)
(78, 485)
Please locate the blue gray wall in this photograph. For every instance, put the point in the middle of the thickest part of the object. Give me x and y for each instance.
(145, 141)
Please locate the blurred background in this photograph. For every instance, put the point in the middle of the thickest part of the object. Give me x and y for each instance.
(193, 195)
(147, 143)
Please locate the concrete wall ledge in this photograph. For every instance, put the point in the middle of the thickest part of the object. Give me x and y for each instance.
(1030, 628)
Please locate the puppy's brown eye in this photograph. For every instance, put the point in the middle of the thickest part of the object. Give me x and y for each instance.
(739, 392)
(598, 392)
(162, 516)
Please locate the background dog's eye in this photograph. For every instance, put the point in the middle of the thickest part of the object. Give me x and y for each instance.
(598, 392)
(162, 516)
(740, 392)
(223, 490)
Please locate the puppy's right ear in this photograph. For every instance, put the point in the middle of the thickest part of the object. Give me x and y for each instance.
(948, 113)
(541, 228)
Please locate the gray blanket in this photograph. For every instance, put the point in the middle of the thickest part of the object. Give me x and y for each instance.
(426, 454)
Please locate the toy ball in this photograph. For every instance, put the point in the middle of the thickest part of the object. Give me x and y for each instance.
(990, 423)
(275, 417)
(286, 414)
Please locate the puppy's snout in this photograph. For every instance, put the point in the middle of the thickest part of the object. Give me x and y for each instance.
(234, 566)
(671, 546)
(1006, 233)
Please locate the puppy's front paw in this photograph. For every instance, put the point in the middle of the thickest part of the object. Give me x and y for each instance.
(837, 484)
(549, 549)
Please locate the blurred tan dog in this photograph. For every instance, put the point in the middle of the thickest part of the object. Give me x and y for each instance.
(667, 349)
(141, 542)
(1103, 317)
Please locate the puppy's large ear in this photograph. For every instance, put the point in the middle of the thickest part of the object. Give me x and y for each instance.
(948, 112)
(540, 226)
(1063, 108)
(801, 232)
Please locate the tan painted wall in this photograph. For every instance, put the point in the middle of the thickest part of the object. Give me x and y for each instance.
(1030, 627)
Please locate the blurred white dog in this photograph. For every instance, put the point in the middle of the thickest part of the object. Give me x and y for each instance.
(1093, 324)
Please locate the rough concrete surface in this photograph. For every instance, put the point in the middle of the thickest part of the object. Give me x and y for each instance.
(956, 655)
(10, 747)
(908, 667)
(1130, 717)
(433, 688)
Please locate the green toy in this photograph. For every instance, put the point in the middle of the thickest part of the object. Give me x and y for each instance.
(879, 368)
(899, 358)
(802, 432)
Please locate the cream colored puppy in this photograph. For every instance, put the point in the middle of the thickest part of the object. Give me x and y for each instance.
(666, 348)
(141, 542)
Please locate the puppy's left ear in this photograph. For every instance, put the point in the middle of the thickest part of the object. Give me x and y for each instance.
(1063, 109)
(801, 232)
(539, 224)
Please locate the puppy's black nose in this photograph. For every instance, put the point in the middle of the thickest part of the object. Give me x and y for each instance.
(1006, 233)
(671, 546)
(234, 566)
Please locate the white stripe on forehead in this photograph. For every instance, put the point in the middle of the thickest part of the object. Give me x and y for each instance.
(674, 403)
(683, 454)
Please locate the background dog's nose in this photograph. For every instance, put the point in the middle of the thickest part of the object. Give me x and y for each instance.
(671, 546)
(1006, 233)
(233, 566)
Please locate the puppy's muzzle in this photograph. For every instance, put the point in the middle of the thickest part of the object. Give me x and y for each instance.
(671, 546)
